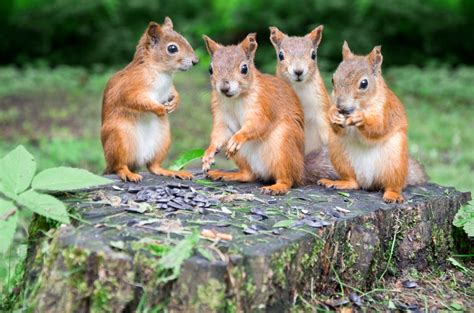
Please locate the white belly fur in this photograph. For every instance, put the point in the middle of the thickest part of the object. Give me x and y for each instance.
(370, 160)
(257, 153)
(316, 128)
(149, 133)
(150, 129)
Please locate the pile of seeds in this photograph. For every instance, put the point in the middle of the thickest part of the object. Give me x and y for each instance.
(172, 197)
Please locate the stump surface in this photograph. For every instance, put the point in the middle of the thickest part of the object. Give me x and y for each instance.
(104, 262)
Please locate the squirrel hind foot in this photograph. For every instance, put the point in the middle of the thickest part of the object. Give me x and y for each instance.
(277, 189)
(393, 197)
(184, 175)
(126, 175)
(338, 184)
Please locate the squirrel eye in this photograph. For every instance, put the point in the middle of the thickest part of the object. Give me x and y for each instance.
(244, 69)
(211, 71)
(332, 81)
(313, 55)
(172, 49)
(363, 84)
(281, 56)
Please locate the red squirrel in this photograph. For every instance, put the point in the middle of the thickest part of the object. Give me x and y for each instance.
(368, 143)
(137, 100)
(257, 119)
(297, 64)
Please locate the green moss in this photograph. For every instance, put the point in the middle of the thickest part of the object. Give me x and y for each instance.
(309, 260)
(281, 264)
(442, 242)
(211, 295)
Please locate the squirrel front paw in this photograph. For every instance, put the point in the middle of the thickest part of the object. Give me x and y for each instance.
(336, 117)
(357, 118)
(234, 144)
(208, 160)
(172, 104)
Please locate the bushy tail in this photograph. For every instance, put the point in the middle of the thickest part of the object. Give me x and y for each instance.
(317, 165)
(416, 173)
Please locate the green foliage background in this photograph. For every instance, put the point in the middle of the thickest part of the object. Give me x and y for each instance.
(105, 31)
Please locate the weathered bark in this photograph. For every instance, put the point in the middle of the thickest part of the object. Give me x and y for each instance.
(79, 268)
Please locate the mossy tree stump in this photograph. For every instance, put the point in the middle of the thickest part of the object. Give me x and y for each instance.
(102, 264)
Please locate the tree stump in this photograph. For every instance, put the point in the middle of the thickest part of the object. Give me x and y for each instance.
(327, 238)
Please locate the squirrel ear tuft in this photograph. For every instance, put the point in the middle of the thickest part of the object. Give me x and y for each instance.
(168, 22)
(249, 44)
(346, 51)
(376, 58)
(316, 35)
(153, 33)
(276, 36)
(211, 45)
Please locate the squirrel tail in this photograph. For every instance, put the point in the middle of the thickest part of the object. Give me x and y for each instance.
(416, 173)
(317, 165)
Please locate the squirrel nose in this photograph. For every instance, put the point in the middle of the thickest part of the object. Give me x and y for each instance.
(298, 72)
(225, 87)
(195, 60)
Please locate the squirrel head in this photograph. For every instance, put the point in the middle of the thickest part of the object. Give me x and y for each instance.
(296, 55)
(232, 67)
(166, 48)
(357, 80)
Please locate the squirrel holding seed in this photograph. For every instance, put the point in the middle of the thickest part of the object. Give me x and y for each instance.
(137, 100)
(368, 145)
(257, 119)
(297, 64)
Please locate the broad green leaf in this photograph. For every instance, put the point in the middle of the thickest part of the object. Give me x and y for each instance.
(66, 178)
(185, 158)
(44, 205)
(18, 168)
(7, 225)
(465, 218)
(174, 258)
(283, 224)
(6, 191)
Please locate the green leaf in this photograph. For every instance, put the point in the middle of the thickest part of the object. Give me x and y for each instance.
(185, 158)
(8, 222)
(344, 194)
(465, 218)
(44, 205)
(206, 254)
(66, 178)
(391, 305)
(283, 224)
(457, 264)
(169, 265)
(18, 168)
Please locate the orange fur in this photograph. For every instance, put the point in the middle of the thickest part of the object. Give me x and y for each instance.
(295, 55)
(368, 143)
(135, 128)
(257, 119)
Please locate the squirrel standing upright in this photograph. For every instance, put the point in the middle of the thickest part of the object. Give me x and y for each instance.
(135, 128)
(368, 146)
(257, 118)
(297, 64)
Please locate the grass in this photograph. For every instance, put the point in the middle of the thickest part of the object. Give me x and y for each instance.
(55, 113)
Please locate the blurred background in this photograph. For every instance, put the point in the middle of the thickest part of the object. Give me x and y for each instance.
(57, 55)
